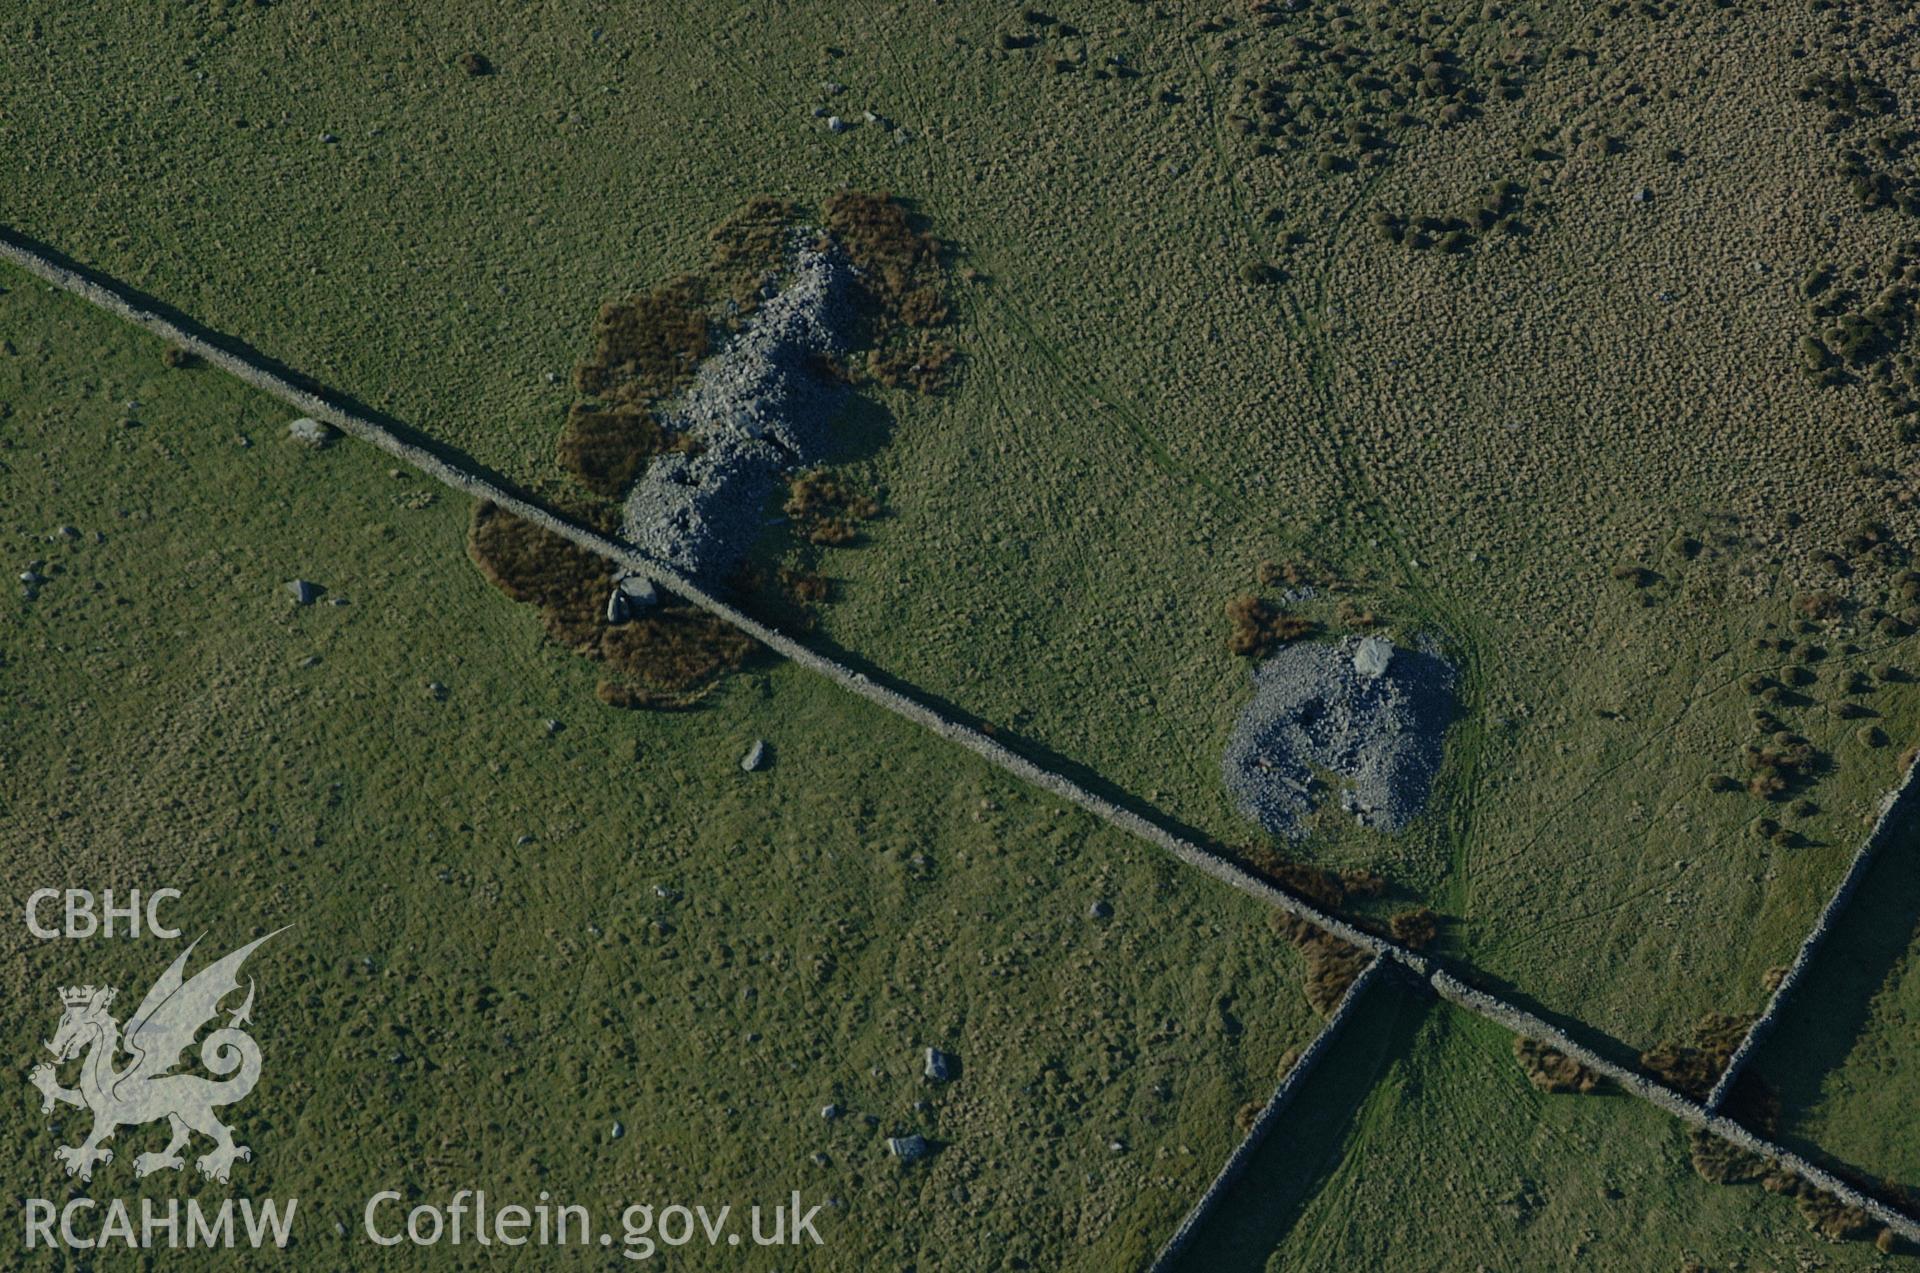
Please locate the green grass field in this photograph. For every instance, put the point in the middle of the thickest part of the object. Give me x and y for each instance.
(1420, 1144)
(1576, 443)
(1471, 439)
(1840, 1056)
(508, 937)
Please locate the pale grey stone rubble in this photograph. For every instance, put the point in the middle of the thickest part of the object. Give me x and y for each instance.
(1359, 712)
(940, 1066)
(756, 757)
(758, 409)
(305, 592)
(311, 432)
(639, 592)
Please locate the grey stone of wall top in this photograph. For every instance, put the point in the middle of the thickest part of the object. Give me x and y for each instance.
(323, 407)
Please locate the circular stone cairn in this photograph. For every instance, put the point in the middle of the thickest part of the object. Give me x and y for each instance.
(1361, 716)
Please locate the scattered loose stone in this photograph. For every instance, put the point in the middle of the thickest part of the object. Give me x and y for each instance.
(639, 592)
(552, 727)
(305, 592)
(618, 1130)
(830, 1112)
(835, 124)
(1371, 658)
(1101, 909)
(940, 1066)
(436, 690)
(909, 1149)
(756, 757)
(311, 432)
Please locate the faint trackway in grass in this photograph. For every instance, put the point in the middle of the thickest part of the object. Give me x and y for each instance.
(461, 473)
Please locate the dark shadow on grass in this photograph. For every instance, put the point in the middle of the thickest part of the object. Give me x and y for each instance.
(1832, 1006)
(1310, 1139)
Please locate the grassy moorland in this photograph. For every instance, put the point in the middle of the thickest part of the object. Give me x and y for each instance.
(1422, 1145)
(1495, 314)
(521, 918)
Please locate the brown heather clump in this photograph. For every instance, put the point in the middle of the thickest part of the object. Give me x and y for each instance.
(1778, 763)
(1256, 627)
(803, 588)
(1294, 574)
(893, 258)
(918, 362)
(1693, 1067)
(902, 281)
(1818, 605)
(1349, 614)
(1718, 1162)
(1553, 1071)
(670, 656)
(1415, 929)
(605, 448)
(1332, 965)
(748, 246)
(1360, 882)
(826, 509)
(1312, 883)
(647, 346)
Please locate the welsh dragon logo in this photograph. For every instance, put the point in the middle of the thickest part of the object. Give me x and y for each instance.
(145, 1089)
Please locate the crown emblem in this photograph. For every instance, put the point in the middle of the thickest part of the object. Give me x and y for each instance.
(77, 996)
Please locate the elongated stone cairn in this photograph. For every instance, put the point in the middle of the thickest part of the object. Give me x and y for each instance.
(253, 369)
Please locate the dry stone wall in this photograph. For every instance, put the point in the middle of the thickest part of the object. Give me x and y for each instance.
(1529, 1026)
(1897, 805)
(256, 370)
